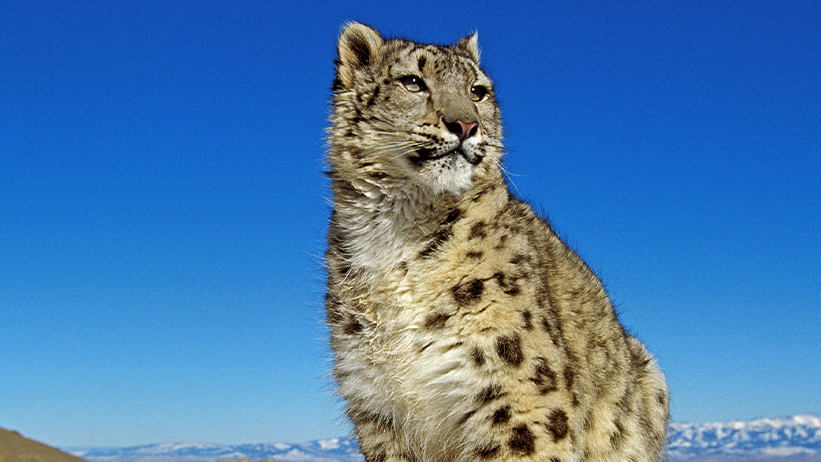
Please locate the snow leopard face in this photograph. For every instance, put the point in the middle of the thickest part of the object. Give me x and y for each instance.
(406, 112)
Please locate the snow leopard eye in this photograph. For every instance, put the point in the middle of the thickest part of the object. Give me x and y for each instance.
(413, 83)
(478, 93)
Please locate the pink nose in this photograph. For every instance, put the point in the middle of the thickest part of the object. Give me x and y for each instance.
(463, 130)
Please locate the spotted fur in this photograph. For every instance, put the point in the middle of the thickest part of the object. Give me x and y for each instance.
(463, 328)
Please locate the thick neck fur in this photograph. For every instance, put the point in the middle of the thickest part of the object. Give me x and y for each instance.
(380, 225)
(386, 223)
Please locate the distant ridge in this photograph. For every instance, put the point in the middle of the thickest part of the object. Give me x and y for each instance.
(328, 450)
(789, 439)
(16, 448)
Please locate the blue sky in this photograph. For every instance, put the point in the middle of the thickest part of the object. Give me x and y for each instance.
(163, 207)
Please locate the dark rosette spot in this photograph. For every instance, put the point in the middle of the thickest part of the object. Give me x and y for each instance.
(489, 393)
(508, 284)
(543, 377)
(353, 327)
(501, 416)
(488, 451)
(510, 349)
(469, 292)
(436, 320)
(522, 442)
(478, 356)
(557, 424)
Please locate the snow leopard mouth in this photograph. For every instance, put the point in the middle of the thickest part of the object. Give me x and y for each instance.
(426, 155)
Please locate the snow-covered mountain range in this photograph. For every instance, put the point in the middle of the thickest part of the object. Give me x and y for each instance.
(778, 439)
(795, 438)
(329, 450)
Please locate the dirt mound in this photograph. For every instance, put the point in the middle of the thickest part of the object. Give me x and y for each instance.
(16, 448)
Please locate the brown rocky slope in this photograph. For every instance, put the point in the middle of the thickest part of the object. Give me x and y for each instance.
(17, 448)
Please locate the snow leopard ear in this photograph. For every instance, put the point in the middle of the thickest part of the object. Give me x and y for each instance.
(358, 47)
(471, 45)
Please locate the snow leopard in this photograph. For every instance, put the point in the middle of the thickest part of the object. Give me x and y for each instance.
(462, 327)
